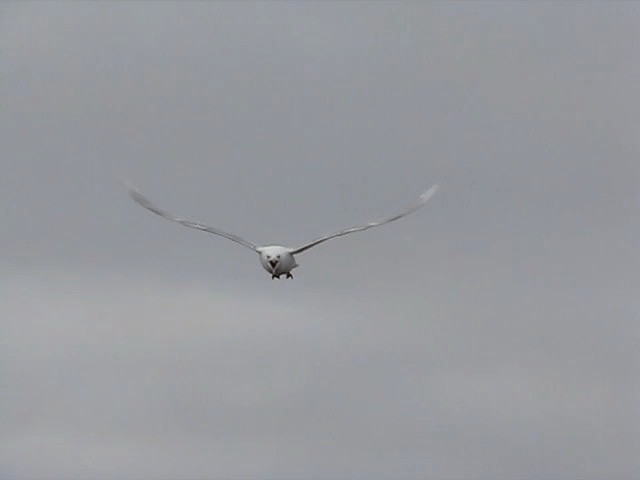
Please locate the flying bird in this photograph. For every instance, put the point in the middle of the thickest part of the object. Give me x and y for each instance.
(276, 259)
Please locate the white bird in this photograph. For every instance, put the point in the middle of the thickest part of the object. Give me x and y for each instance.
(276, 259)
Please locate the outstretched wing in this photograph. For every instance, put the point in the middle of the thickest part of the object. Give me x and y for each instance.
(144, 202)
(421, 201)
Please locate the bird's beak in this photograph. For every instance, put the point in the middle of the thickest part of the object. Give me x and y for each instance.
(273, 263)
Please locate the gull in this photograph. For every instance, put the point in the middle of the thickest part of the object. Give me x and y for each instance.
(276, 259)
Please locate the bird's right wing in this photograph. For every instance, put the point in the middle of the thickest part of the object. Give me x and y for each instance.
(144, 202)
(421, 201)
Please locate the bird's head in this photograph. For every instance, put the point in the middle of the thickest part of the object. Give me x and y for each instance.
(273, 260)
(272, 256)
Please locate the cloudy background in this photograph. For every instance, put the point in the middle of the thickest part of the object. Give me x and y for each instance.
(491, 335)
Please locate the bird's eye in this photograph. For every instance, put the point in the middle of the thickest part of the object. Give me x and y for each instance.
(278, 257)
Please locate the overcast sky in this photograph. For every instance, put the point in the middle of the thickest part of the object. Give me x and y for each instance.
(491, 335)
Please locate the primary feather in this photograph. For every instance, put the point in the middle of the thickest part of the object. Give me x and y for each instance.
(143, 201)
(424, 198)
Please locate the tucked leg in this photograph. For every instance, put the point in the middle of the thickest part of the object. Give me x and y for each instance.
(289, 275)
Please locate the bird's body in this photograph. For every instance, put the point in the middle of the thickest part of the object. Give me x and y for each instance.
(276, 259)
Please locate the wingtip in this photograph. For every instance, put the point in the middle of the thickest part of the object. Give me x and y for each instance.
(126, 183)
(135, 194)
(430, 192)
(130, 187)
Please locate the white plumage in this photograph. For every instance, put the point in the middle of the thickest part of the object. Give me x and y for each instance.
(276, 259)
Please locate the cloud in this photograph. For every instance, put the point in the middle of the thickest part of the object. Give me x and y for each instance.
(131, 375)
(493, 334)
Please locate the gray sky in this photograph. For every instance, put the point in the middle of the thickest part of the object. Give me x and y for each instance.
(491, 335)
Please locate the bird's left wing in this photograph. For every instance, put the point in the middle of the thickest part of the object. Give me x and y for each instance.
(144, 202)
(424, 198)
